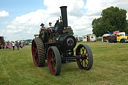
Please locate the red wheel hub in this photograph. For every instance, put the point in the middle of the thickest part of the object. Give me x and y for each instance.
(51, 61)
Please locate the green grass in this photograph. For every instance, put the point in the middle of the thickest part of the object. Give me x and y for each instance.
(110, 67)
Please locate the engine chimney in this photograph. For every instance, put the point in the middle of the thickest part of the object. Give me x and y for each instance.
(64, 15)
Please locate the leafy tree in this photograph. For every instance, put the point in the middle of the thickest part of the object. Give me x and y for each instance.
(96, 26)
(126, 30)
(111, 19)
(99, 27)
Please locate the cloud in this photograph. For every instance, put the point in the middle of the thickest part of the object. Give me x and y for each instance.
(80, 16)
(73, 6)
(29, 24)
(3, 14)
(95, 7)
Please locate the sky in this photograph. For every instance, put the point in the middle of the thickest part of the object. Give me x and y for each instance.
(21, 19)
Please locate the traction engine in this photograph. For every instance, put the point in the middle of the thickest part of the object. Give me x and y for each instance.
(58, 46)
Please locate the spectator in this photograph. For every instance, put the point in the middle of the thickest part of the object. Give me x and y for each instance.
(9, 47)
(17, 45)
(6, 45)
(13, 45)
(21, 45)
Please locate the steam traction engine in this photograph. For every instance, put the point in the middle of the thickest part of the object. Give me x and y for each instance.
(58, 46)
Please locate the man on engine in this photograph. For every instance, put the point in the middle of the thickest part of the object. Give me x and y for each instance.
(42, 28)
(43, 32)
(50, 28)
(50, 24)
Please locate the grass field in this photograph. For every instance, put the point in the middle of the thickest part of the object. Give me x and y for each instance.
(110, 67)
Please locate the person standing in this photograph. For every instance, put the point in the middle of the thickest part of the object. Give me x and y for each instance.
(6, 45)
(9, 47)
(21, 45)
(17, 44)
(13, 45)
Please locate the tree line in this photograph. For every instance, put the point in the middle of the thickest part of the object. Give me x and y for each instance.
(112, 19)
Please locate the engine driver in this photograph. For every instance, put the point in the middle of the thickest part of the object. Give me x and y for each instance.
(42, 28)
(50, 28)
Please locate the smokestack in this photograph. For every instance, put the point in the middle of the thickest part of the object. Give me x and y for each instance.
(64, 15)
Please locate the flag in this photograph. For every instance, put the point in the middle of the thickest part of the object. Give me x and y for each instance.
(116, 32)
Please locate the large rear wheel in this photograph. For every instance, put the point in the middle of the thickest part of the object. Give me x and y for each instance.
(54, 60)
(85, 60)
(38, 52)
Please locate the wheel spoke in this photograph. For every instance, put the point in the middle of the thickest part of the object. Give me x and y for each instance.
(83, 51)
(86, 54)
(81, 62)
(35, 53)
(85, 63)
(34, 47)
(54, 59)
(52, 62)
(53, 67)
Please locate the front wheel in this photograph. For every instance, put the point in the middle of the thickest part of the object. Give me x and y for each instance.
(85, 60)
(54, 60)
(110, 41)
(122, 41)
